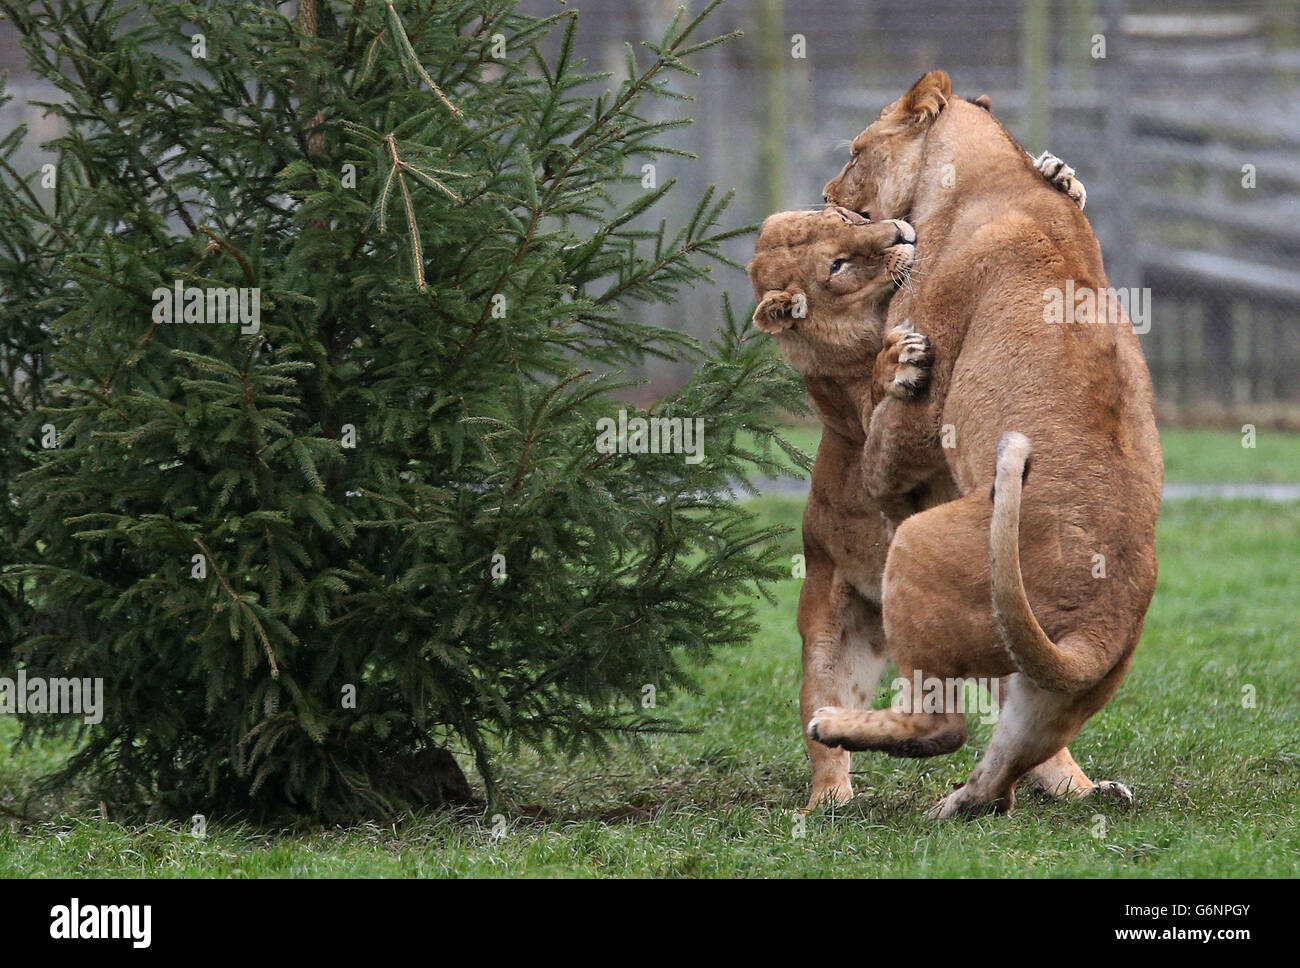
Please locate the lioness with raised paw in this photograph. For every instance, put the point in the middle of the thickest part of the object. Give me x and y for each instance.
(823, 280)
(1042, 578)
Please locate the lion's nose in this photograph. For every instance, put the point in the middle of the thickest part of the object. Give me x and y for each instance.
(845, 214)
(906, 234)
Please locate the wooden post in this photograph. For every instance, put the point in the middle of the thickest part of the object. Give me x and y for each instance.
(1035, 46)
(1219, 348)
(1081, 21)
(1283, 34)
(774, 53)
(1156, 350)
(1280, 325)
(1122, 268)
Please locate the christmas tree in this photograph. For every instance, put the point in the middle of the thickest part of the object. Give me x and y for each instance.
(312, 434)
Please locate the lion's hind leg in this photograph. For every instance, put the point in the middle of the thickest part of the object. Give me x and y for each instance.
(1061, 778)
(1028, 732)
(888, 731)
(905, 730)
(1034, 724)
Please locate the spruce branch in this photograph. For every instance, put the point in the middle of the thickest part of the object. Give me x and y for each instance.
(223, 243)
(406, 55)
(240, 602)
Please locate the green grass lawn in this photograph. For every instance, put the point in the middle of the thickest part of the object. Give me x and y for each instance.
(1216, 779)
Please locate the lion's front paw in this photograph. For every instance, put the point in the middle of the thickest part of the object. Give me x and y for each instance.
(1062, 177)
(903, 367)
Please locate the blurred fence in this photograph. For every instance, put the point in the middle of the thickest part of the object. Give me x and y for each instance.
(1186, 133)
(1217, 202)
(1182, 119)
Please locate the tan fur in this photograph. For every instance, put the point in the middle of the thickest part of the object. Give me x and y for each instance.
(834, 345)
(988, 249)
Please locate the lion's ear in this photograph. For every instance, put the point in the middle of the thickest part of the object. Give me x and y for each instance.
(927, 97)
(984, 102)
(775, 311)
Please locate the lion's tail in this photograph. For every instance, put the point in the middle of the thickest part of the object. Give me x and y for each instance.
(1075, 663)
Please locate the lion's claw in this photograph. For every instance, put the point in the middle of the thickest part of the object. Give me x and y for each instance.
(1062, 177)
(903, 367)
(1112, 790)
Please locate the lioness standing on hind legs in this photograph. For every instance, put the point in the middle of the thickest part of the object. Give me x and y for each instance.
(1042, 578)
(823, 280)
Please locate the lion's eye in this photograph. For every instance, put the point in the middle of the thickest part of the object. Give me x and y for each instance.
(838, 264)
